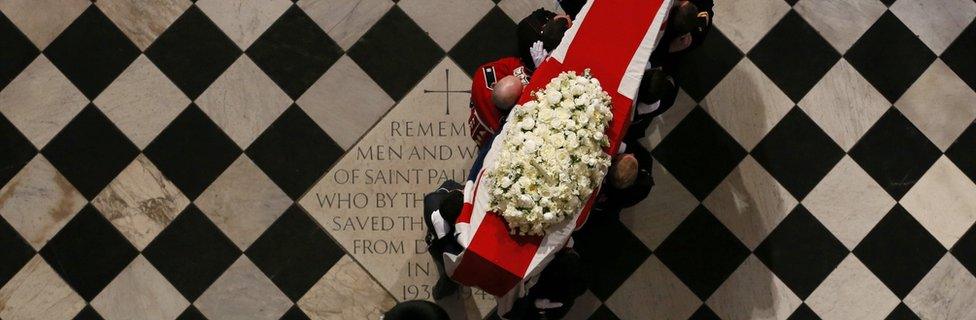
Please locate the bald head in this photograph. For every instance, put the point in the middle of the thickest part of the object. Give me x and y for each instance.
(506, 92)
(623, 172)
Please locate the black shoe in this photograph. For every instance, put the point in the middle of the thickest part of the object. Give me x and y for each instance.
(444, 287)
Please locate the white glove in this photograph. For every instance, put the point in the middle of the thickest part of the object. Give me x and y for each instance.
(546, 304)
(538, 53)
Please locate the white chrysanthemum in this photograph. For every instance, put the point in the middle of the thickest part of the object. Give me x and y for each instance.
(552, 158)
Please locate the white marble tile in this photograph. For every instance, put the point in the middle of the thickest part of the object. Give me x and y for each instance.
(747, 104)
(142, 101)
(40, 101)
(143, 21)
(937, 23)
(519, 9)
(446, 21)
(745, 22)
(662, 296)
(243, 20)
(243, 292)
(345, 102)
(946, 293)
(243, 202)
(243, 101)
(750, 202)
(940, 104)
(37, 292)
(668, 204)
(38, 201)
(345, 21)
(139, 292)
(852, 292)
(844, 104)
(140, 202)
(346, 292)
(753, 292)
(663, 124)
(848, 202)
(42, 20)
(943, 201)
(840, 22)
(583, 306)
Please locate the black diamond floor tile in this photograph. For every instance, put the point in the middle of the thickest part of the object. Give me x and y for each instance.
(88, 313)
(794, 56)
(702, 252)
(899, 251)
(895, 153)
(699, 153)
(603, 313)
(902, 312)
(295, 314)
(294, 252)
(801, 252)
(962, 152)
(90, 151)
(16, 150)
(396, 53)
(701, 69)
(888, 2)
(965, 249)
(797, 153)
(192, 151)
(92, 52)
(191, 313)
(294, 151)
(959, 55)
(704, 313)
(489, 40)
(14, 252)
(193, 52)
(16, 51)
(294, 52)
(890, 56)
(608, 269)
(88, 252)
(803, 313)
(191, 252)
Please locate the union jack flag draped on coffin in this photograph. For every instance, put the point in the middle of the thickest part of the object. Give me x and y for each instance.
(614, 39)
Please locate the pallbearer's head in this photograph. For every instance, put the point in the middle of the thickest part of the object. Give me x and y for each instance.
(505, 92)
(682, 20)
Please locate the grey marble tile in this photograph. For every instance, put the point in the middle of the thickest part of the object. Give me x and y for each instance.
(750, 202)
(745, 22)
(852, 292)
(940, 104)
(943, 201)
(848, 202)
(143, 21)
(753, 292)
(947, 292)
(139, 292)
(519, 9)
(346, 292)
(653, 219)
(41, 101)
(38, 201)
(937, 23)
(345, 21)
(243, 20)
(37, 292)
(42, 20)
(141, 101)
(844, 105)
(446, 21)
(345, 102)
(243, 202)
(243, 292)
(747, 104)
(840, 22)
(661, 294)
(243, 101)
(140, 202)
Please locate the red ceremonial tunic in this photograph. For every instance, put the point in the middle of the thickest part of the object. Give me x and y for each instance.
(486, 118)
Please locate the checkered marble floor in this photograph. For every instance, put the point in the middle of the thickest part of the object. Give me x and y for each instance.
(820, 162)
